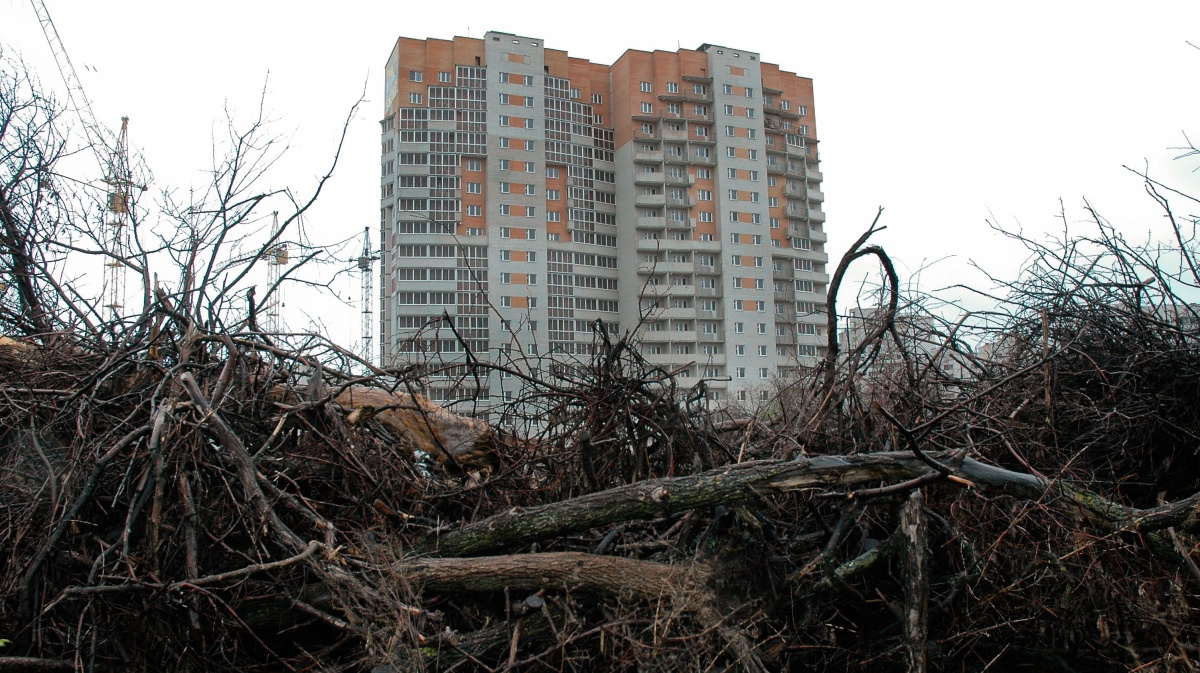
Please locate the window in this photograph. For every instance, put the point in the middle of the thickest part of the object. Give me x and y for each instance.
(505, 209)
(474, 231)
(531, 349)
(531, 279)
(505, 232)
(736, 260)
(504, 143)
(553, 216)
(552, 172)
(597, 98)
(504, 164)
(728, 109)
(474, 211)
(739, 350)
(733, 195)
(530, 190)
(443, 78)
(729, 131)
(644, 87)
(741, 373)
(552, 195)
(529, 145)
(749, 92)
(704, 194)
(505, 278)
(773, 202)
(764, 372)
(414, 98)
(705, 216)
(672, 87)
(802, 110)
(416, 76)
(530, 211)
(647, 108)
(701, 131)
(474, 165)
(700, 89)
(739, 328)
(731, 173)
(474, 187)
(530, 167)
(762, 351)
(753, 174)
(505, 188)
(762, 329)
(757, 239)
(530, 234)
(758, 261)
(785, 105)
(731, 152)
(648, 129)
(504, 120)
(727, 89)
(750, 112)
(503, 97)
(529, 123)
(531, 256)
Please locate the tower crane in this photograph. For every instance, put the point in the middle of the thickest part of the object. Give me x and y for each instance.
(364, 268)
(277, 258)
(114, 161)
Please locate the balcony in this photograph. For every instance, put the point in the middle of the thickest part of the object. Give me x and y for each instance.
(648, 156)
(655, 178)
(817, 236)
(815, 215)
(655, 223)
(704, 161)
(786, 273)
(687, 180)
(794, 190)
(660, 337)
(676, 314)
(815, 175)
(681, 134)
(681, 203)
(815, 195)
(650, 200)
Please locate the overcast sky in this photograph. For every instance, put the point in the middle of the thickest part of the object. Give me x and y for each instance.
(947, 114)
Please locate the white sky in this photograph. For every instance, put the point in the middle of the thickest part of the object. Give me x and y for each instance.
(945, 113)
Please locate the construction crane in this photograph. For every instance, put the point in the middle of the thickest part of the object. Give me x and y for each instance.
(114, 161)
(277, 258)
(364, 268)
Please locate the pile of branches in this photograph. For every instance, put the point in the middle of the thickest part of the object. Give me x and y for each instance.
(182, 490)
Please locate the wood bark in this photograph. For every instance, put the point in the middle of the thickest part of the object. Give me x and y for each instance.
(916, 581)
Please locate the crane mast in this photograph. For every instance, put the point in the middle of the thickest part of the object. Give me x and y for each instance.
(277, 258)
(364, 268)
(113, 160)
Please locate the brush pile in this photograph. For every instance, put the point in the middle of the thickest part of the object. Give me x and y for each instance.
(185, 490)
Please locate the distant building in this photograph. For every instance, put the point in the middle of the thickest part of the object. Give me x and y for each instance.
(922, 338)
(529, 194)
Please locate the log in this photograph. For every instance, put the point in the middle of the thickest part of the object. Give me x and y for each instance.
(572, 571)
(656, 498)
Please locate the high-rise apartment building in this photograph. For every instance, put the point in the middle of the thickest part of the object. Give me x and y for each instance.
(527, 194)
